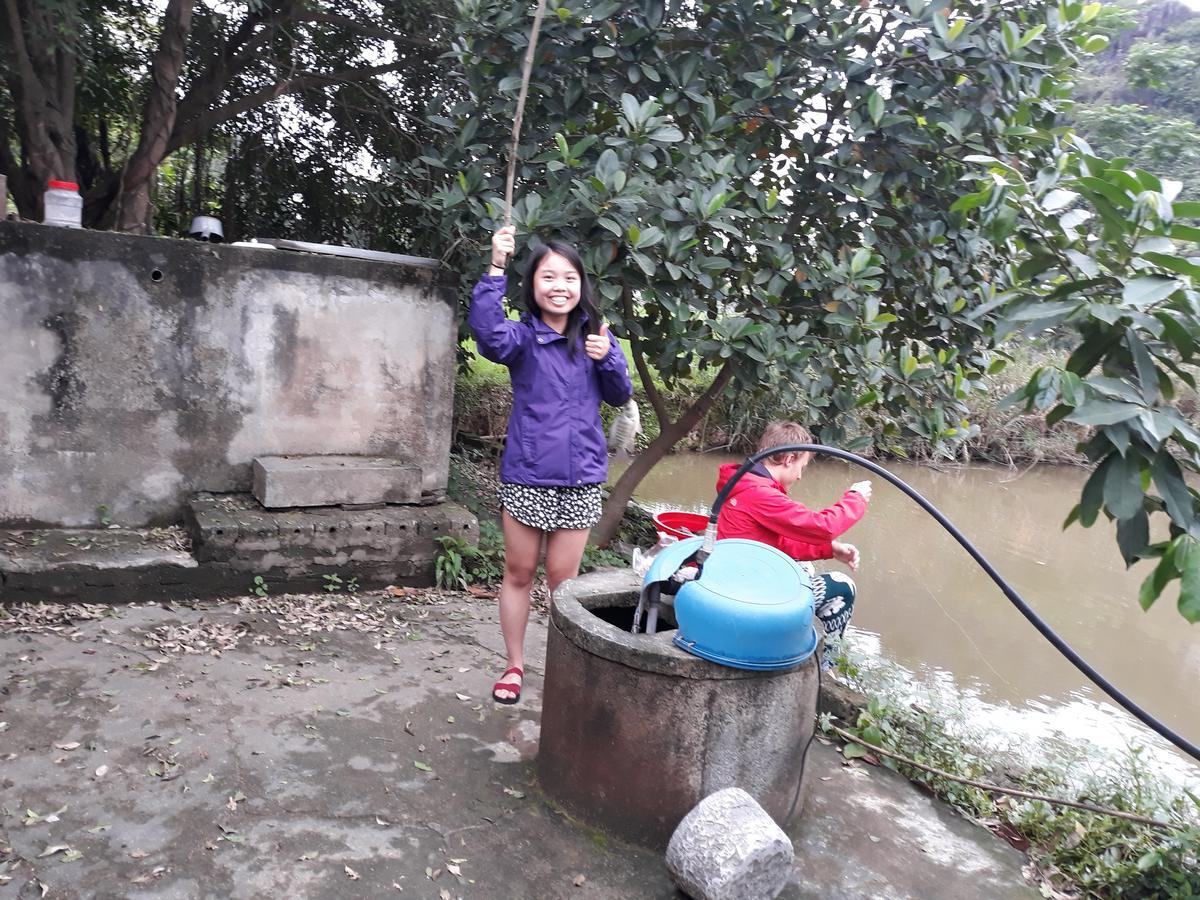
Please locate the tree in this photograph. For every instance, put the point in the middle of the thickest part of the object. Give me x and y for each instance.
(763, 191)
(205, 65)
(1102, 251)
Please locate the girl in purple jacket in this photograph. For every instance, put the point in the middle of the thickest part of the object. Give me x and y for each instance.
(562, 364)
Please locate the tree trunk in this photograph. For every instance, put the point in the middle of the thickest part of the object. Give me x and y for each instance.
(41, 82)
(670, 434)
(158, 119)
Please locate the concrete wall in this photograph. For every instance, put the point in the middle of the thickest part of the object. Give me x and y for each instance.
(135, 371)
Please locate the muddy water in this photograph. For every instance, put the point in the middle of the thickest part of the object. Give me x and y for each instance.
(926, 605)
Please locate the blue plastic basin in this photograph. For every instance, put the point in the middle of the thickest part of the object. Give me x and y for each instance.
(751, 608)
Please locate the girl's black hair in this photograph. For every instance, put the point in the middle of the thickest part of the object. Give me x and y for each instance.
(584, 309)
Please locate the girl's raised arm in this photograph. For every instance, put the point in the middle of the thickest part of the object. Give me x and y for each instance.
(498, 338)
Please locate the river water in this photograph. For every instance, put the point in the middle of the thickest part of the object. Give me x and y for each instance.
(925, 605)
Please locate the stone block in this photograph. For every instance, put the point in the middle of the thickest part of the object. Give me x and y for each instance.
(290, 481)
(728, 848)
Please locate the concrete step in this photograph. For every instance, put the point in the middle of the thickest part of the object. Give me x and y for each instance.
(401, 540)
(281, 482)
(69, 563)
(229, 541)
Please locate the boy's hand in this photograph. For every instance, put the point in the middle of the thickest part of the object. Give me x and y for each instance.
(846, 553)
(864, 488)
(504, 245)
(597, 346)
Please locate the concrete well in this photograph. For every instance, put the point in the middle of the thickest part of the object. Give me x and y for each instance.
(636, 732)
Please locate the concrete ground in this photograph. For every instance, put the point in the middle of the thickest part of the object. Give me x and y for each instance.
(347, 747)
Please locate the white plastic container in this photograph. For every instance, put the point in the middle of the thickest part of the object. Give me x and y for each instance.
(63, 204)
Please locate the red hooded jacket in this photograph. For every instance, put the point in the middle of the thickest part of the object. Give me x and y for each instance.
(759, 509)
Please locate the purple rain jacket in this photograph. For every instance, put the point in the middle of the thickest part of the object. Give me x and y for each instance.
(555, 438)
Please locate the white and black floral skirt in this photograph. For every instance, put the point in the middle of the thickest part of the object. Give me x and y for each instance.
(552, 508)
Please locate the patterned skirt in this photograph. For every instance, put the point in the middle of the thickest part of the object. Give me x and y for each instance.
(553, 508)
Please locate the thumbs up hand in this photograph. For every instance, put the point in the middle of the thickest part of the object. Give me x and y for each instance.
(597, 345)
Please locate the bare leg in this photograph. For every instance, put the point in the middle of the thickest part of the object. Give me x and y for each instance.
(521, 547)
(564, 552)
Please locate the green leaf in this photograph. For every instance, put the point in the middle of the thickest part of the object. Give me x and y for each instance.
(1123, 486)
(1174, 264)
(1103, 412)
(1173, 489)
(1093, 494)
(1153, 586)
(1187, 561)
(1133, 536)
(1012, 36)
(667, 134)
(1149, 289)
(875, 106)
(607, 165)
(854, 751)
(424, 767)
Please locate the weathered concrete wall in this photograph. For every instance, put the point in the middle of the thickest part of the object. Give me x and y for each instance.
(135, 371)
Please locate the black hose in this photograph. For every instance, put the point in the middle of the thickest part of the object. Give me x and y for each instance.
(1046, 631)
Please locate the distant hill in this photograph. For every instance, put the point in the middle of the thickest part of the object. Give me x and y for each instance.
(1140, 98)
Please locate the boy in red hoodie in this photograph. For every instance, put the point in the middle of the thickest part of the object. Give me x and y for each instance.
(759, 509)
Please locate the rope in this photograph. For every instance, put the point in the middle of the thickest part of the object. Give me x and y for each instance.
(995, 788)
(516, 130)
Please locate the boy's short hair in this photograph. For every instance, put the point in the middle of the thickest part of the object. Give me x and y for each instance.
(778, 433)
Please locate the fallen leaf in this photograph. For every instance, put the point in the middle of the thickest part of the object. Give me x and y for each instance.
(139, 854)
(453, 869)
(579, 880)
(450, 719)
(50, 851)
(459, 696)
(444, 895)
(98, 828)
(207, 778)
(520, 795)
(72, 855)
(424, 767)
(70, 745)
(397, 887)
(101, 771)
(354, 876)
(309, 855)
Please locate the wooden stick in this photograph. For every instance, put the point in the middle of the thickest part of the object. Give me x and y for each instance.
(516, 131)
(995, 788)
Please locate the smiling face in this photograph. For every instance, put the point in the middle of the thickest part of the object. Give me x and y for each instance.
(556, 287)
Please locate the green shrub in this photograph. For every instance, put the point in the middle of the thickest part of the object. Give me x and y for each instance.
(460, 563)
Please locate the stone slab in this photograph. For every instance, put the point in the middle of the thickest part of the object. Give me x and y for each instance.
(281, 482)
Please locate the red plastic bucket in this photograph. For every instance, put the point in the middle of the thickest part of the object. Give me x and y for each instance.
(680, 524)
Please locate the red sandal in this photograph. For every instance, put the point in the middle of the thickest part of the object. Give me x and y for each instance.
(508, 686)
